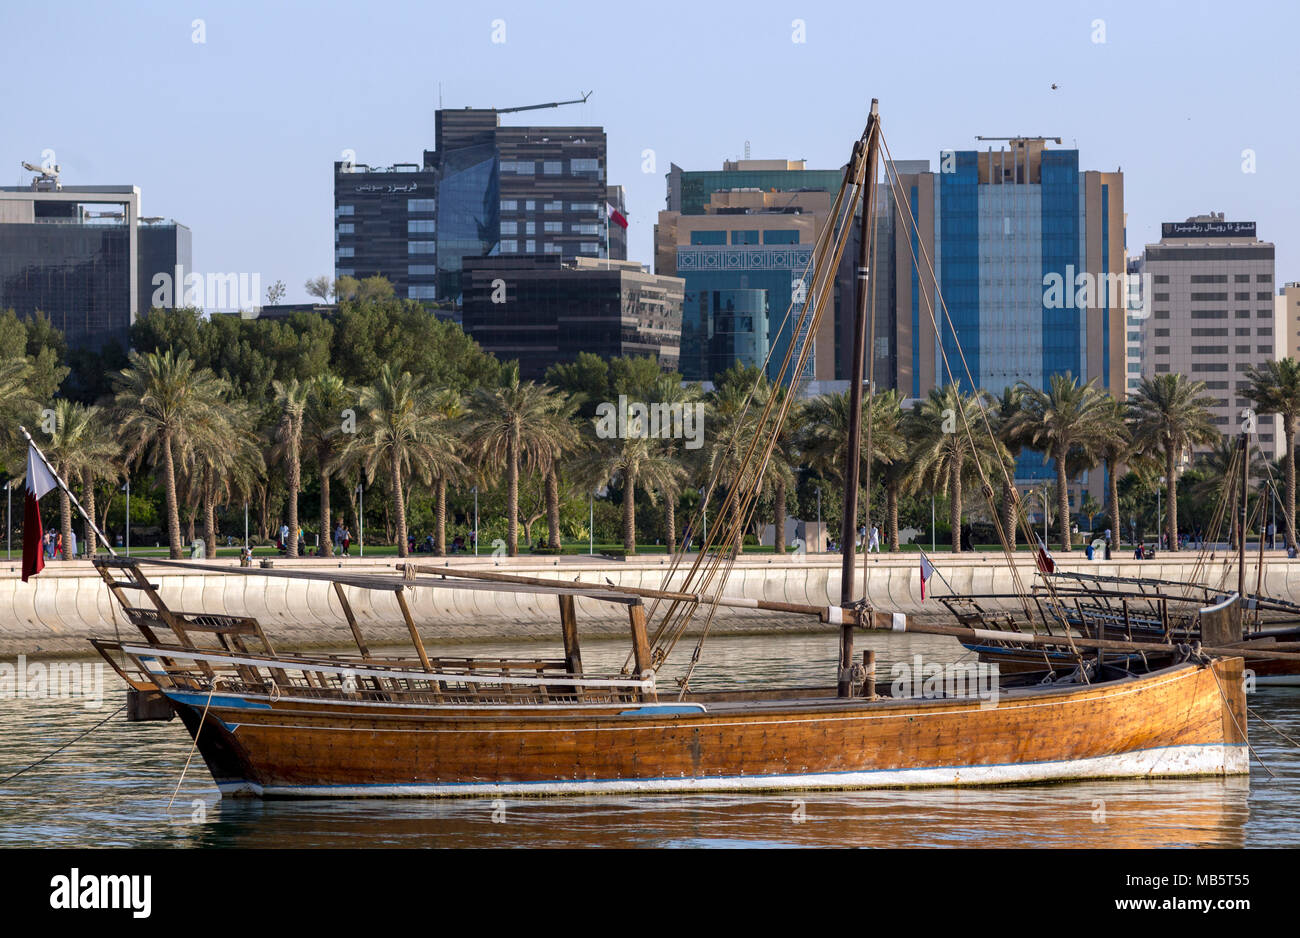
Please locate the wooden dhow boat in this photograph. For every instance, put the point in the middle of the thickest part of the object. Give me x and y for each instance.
(279, 724)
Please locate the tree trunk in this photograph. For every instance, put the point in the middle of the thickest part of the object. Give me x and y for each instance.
(190, 514)
(891, 515)
(263, 511)
(954, 509)
(1288, 507)
(210, 513)
(295, 481)
(1112, 471)
(629, 514)
(512, 494)
(670, 521)
(399, 504)
(1009, 511)
(88, 485)
(440, 517)
(326, 510)
(553, 509)
(1171, 496)
(1063, 502)
(173, 509)
(778, 519)
(65, 518)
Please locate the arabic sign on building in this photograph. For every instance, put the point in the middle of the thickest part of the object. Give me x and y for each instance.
(386, 188)
(1207, 229)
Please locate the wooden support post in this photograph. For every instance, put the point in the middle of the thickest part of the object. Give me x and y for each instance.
(640, 644)
(410, 625)
(569, 626)
(352, 619)
(869, 682)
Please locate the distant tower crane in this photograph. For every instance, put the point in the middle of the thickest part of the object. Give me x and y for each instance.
(47, 179)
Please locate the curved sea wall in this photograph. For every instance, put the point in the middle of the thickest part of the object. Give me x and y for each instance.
(66, 604)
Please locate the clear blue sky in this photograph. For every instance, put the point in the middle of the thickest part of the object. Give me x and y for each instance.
(236, 136)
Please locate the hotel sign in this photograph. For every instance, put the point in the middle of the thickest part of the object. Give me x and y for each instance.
(1207, 229)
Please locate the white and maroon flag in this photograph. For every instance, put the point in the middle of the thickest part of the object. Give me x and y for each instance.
(39, 481)
(616, 216)
(1046, 563)
(927, 571)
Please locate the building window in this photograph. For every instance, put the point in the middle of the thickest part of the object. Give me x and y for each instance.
(1264, 330)
(420, 205)
(1242, 314)
(552, 167)
(1208, 349)
(509, 228)
(589, 247)
(583, 206)
(1162, 333)
(530, 247)
(530, 205)
(421, 270)
(345, 272)
(1243, 331)
(1160, 296)
(530, 227)
(509, 205)
(420, 226)
(343, 210)
(781, 236)
(744, 237)
(1263, 278)
(1207, 297)
(509, 246)
(578, 167)
(586, 229)
(1161, 278)
(345, 252)
(553, 227)
(708, 237)
(553, 207)
(1209, 314)
(421, 247)
(519, 167)
(1208, 333)
(1209, 278)
(1264, 313)
(1241, 278)
(422, 292)
(1265, 350)
(550, 249)
(347, 228)
(1243, 349)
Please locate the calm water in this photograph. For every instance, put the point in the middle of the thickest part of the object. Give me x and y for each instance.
(113, 788)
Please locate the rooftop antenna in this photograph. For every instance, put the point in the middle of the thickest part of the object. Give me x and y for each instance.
(746, 149)
(1056, 140)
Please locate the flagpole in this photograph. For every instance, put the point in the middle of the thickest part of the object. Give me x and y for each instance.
(63, 485)
(936, 569)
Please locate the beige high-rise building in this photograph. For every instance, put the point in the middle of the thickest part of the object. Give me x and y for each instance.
(1212, 314)
(1287, 308)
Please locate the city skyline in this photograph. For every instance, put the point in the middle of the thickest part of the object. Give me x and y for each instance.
(236, 135)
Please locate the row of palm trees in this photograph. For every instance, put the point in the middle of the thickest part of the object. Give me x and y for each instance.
(209, 449)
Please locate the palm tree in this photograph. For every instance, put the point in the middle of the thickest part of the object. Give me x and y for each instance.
(324, 433)
(670, 390)
(1013, 430)
(948, 449)
(290, 404)
(158, 398)
(1068, 419)
(1168, 416)
(783, 460)
(732, 414)
(400, 434)
(632, 460)
(509, 427)
(448, 408)
(79, 445)
(1114, 447)
(1219, 481)
(1275, 389)
(565, 440)
(227, 459)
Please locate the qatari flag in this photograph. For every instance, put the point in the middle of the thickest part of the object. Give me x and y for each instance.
(39, 481)
(615, 216)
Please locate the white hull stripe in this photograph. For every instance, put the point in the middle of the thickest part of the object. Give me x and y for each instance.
(1161, 762)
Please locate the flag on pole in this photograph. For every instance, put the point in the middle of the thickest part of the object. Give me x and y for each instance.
(615, 216)
(39, 481)
(927, 571)
(1044, 558)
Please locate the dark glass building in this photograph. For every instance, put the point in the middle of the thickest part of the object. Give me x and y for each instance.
(485, 190)
(544, 310)
(83, 256)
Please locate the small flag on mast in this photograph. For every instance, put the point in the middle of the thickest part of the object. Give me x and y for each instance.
(39, 482)
(927, 571)
(615, 216)
(1046, 564)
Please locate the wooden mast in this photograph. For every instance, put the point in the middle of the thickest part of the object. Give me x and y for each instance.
(864, 150)
(1241, 532)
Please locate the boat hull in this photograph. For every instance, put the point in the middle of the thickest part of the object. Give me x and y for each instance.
(1184, 720)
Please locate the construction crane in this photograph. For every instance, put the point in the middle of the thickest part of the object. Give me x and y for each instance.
(1056, 140)
(47, 179)
(534, 107)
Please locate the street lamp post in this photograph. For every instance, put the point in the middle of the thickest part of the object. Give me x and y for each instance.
(128, 516)
(361, 520)
(820, 533)
(9, 522)
(475, 520)
(591, 526)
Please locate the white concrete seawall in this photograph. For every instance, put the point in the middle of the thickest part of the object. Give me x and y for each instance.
(57, 611)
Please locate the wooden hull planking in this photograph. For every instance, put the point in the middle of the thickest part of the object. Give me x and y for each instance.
(1181, 721)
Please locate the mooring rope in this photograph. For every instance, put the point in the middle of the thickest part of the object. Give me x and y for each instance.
(5, 781)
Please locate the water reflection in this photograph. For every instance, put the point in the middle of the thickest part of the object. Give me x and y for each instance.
(113, 788)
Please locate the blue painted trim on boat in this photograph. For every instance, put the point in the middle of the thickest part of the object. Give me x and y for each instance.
(661, 709)
(220, 700)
